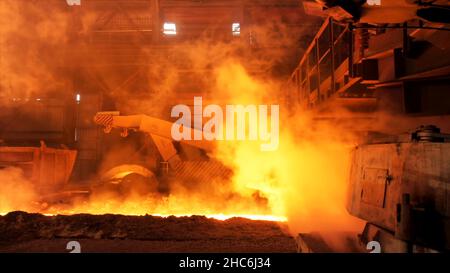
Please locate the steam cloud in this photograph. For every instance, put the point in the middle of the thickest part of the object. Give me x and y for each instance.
(16, 192)
(305, 180)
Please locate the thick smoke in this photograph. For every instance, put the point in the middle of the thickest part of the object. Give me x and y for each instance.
(33, 44)
(304, 180)
(16, 192)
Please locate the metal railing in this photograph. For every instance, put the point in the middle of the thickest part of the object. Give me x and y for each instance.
(324, 65)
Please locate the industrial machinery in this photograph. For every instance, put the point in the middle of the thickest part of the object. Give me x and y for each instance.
(400, 186)
(380, 11)
(176, 158)
(377, 67)
(49, 169)
(370, 59)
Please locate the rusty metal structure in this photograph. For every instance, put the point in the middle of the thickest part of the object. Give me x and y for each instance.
(398, 182)
(372, 67)
(399, 185)
(47, 168)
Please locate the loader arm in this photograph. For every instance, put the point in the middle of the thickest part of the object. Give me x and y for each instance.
(160, 131)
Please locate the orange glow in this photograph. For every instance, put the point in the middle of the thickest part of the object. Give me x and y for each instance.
(303, 182)
(221, 217)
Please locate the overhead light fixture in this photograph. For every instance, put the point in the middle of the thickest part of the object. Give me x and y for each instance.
(170, 29)
(236, 29)
(73, 2)
(374, 2)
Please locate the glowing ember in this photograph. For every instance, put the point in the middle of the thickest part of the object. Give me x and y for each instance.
(221, 217)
